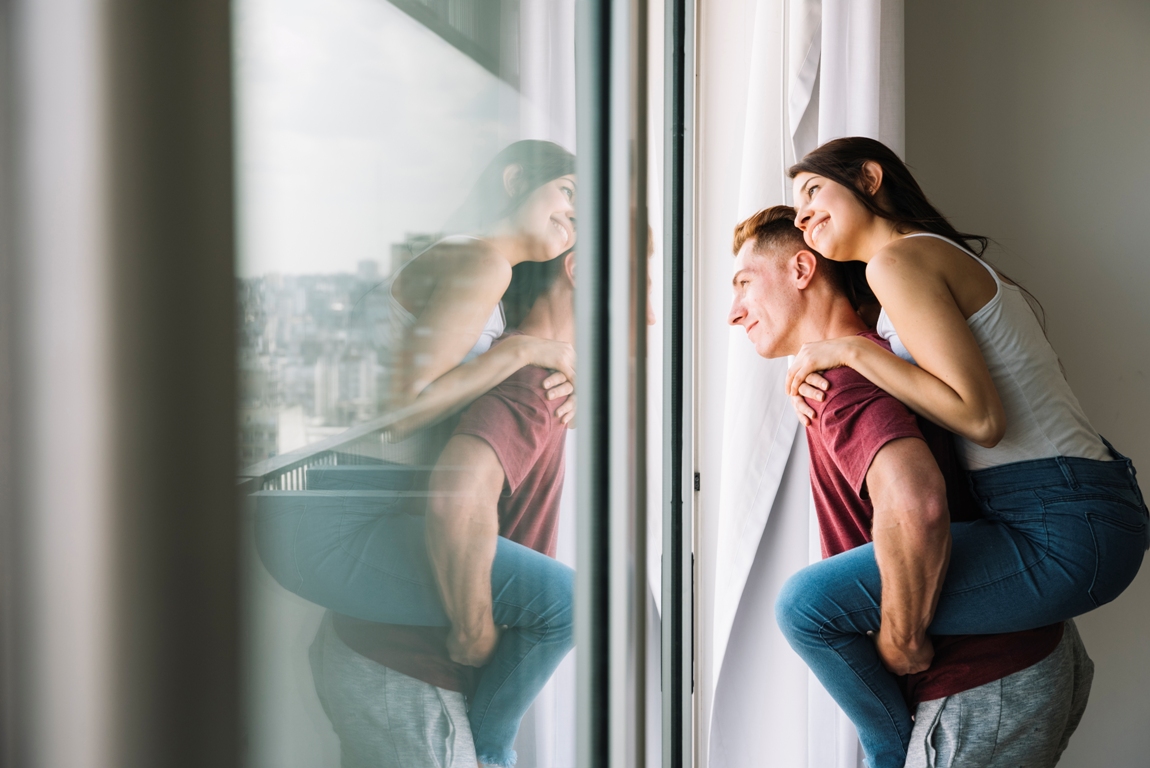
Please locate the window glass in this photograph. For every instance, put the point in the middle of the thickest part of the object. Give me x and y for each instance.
(405, 285)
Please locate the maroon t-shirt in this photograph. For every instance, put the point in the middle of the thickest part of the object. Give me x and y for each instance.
(853, 423)
(519, 424)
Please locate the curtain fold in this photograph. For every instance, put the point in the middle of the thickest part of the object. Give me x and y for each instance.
(819, 69)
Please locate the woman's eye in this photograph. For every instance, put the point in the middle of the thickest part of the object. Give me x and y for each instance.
(811, 190)
(570, 193)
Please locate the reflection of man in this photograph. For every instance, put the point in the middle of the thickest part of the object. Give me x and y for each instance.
(397, 696)
(986, 700)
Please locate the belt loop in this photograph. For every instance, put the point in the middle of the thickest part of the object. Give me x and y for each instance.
(1067, 472)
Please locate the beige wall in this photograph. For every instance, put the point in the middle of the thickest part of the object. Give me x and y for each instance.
(1029, 121)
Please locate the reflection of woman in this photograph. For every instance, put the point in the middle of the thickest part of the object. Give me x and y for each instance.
(1066, 526)
(442, 313)
(444, 306)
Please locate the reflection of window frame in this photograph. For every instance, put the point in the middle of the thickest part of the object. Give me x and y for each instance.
(488, 20)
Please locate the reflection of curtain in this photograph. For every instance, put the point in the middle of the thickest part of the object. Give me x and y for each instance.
(818, 69)
(543, 43)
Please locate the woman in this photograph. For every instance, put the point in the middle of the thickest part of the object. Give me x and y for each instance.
(434, 321)
(1067, 525)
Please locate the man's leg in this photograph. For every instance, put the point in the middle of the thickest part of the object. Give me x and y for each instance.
(1021, 721)
(385, 719)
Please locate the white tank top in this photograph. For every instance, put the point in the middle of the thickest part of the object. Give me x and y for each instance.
(424, 446)
(1043, 417)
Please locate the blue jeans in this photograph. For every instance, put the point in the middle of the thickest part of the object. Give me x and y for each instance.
(1061, 537)
(360, 554)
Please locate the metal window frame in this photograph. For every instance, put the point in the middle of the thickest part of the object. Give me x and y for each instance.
(611, 584)
(678, 671)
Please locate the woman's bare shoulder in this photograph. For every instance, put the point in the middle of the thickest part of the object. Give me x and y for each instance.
(464, 260)
(914, 258)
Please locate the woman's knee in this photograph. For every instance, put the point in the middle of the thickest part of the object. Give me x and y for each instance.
(560, 597)
(793, 606)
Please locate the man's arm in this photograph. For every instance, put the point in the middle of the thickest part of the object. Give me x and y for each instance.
(911, 531)
(462, 530)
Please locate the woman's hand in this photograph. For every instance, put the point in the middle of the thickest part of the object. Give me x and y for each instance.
(559, 357)
(473, 649)
(804, 379)
(813, 387)
(818, 356)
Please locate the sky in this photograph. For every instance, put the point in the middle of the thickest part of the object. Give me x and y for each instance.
(355, 126)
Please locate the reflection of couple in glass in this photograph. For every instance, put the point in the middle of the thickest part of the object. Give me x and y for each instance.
(448, 613)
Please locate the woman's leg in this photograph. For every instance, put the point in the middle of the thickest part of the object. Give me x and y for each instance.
(533, 596)
(357, 555)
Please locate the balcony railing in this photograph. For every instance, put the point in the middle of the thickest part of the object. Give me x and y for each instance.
(289, 471)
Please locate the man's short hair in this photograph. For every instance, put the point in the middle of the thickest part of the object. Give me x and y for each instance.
(771, 229)
(774, 233)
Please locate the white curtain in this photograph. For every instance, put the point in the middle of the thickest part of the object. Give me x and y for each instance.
(818, 70)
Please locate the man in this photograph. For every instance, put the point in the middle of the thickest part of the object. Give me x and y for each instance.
(880, 475)
(398, 695)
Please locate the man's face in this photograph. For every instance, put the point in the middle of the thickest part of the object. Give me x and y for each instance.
(766, 301)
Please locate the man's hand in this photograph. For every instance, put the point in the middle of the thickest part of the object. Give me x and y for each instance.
(474, 649)
(904, 658)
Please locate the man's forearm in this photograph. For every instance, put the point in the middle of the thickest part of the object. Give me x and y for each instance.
(462, 533)
(461, 541)
(911, 533)
(912, 561)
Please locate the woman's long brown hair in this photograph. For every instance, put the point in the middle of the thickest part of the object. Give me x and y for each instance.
(900, 199)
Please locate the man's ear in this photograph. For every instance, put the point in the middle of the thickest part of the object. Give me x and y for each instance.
(804, 264)
(512, 175)
(871, 178)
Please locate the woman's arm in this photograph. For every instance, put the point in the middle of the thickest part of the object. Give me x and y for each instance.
(951, 384)
(432, 383)
(462, 385)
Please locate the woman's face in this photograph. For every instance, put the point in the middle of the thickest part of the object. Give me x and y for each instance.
(830, 216)
(548, 215)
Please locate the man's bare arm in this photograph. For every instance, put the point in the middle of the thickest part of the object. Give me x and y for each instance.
(462, 531)
(911, 532)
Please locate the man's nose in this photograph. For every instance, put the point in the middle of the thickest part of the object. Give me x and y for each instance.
(735, 316)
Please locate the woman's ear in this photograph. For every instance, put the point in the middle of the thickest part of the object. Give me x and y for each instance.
(871, 178)
(569, 266)
(512, 175)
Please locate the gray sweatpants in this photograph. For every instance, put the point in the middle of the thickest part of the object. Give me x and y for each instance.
(385, 719)
(1024, 720)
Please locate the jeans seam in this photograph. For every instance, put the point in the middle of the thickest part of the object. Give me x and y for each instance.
(1029, 567)
(546, 631)
(361, 561)
(823, 636)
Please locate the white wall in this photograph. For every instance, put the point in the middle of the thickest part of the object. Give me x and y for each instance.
(1029, 122)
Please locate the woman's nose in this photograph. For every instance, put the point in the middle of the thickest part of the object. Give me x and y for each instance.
(801, 219)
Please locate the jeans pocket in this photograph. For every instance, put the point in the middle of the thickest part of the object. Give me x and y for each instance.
(1014, 508)
(1119, 532)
